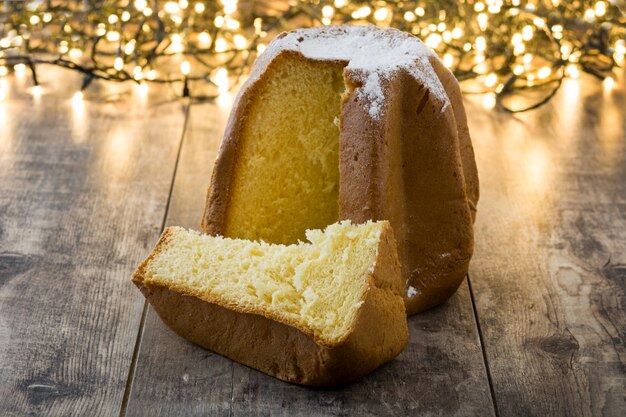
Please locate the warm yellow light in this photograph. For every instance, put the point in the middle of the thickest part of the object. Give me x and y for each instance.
(183, 4)
(101, 29)
(137, 74)
(441, 27)
(34, 19)
(230, 6)
(129, 47)
(600, 8)
(5, 43)
(3, 71)
(340, 3)
(240, 41)
(36, 91)
(457, 33)
(151, 75)
(479, 58)
(565, 50)
(220, 45)
(527, 33)
(381, 14)
(185, 67)
(544, 73)
(47, 17)
(572, 71)
(221, 80)
(63, 48)
(539, 22)
(557, 28)
(518, 70)
(199, 7)
(481, 43)
(125, 16)
(113, 36)
(489, 101)
(491, 80)
(118, 64)
(528, 58)
(219, 21)
(515, 2)
(261, 47)
(204, 39)
(171, 7)
(140, 4)
(328, 11)
(76, 53)
(447, 36)
(420, 11)
(3, 94)
(410, 17)
(78, 97)
(516, 39)
(590, 15)
(448, 60)
(620, 47)
(479, 7)
(113, 19)
(19, 69)
(433, 40)
(147, 11)
(232, 24)
(482, 20)
(467, 47)
(608, 84)
(519, 49)
(362, 12)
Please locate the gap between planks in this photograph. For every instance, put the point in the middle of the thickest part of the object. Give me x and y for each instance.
(133, 362)
(483, 348)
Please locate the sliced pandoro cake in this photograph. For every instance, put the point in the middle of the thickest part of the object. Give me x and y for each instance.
(320, 313)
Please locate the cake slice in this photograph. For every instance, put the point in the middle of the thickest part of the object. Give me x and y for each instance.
(321, 313)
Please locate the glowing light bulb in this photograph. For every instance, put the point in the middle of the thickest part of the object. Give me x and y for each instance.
(590, 15)
(140, 4)
(34, 19)
(489, 101)
(457, 33)
(36, 91)
(113, 19)
(47, 17)
(327, 11)
(527, 32)
(340, 3)
(220, 45)
(113, 36)
(118, 64)
(528, 58)
(19, 69)
(125, 16)
(199, 7)
(448, 60)
(221, 80)
(147, 11)
(76, 53)
(171, 7)
(77, 99)
(3, 71)
(420, 11)
(433, 40)
(518, 70)
(482, 20)
(261, 47)
(240, 41)
(232, 24)
(572, 71)
(219, 21)
(600, 8)
(151, 75)
(204, 39)
(608, 84)
(129, 47)
(183, 4)
(481, 43)
(544, 73)
(185, 67)
(491, 80)
(479, 7)
(381, 14)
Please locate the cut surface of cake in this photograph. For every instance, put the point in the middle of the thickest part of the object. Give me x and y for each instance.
(357, 123)
(319, 313)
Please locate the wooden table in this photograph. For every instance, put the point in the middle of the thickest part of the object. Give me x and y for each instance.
(538, 328)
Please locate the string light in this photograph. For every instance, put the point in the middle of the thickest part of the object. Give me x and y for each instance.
(509, 46)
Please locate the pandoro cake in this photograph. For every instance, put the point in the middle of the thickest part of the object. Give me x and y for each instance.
(357, 123)
(320, 313)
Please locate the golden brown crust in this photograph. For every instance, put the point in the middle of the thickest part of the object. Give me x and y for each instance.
(378, 334)
(414, 167)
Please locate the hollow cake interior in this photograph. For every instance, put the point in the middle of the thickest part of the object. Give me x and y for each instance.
(286, 179)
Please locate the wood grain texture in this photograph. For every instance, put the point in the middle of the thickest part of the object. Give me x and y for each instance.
(83, 190)
(549, 272)
(441, 372)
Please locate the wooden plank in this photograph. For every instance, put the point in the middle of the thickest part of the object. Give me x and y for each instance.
(549, 272)
(441, 372)
(83, 191)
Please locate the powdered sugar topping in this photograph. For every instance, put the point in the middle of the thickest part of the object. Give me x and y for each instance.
(376, 53)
